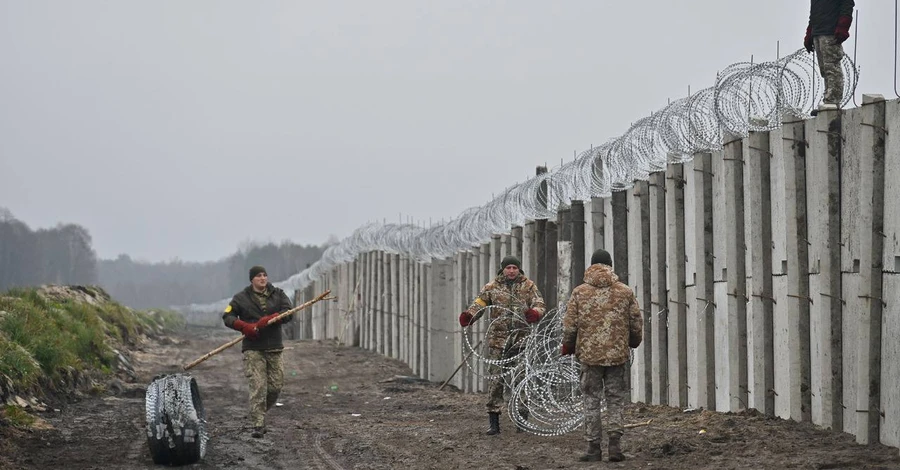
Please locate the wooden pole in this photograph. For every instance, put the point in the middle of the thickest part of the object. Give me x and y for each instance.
(461, 364)
(322, 296)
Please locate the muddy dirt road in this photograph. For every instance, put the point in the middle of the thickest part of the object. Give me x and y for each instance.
(400, 424)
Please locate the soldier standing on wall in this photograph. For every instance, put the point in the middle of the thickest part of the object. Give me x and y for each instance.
(829, 27)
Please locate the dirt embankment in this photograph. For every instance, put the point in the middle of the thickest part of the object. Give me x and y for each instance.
(339, 412)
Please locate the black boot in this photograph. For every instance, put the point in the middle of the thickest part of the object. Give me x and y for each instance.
(594, 453)
(494, 421)
(615, 451)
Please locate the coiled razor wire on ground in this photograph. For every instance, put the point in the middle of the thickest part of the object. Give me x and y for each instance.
(545, 398)
(176, 420)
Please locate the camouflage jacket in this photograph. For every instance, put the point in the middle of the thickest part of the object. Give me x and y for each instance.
(602, 319)
(517, 295)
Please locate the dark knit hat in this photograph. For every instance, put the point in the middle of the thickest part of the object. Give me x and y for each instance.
(256, 270)
(508, 261)
(601, 257)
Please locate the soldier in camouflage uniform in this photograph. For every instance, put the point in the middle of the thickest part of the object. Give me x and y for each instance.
(829, 27)
(252, 312)
(513, 291)
(602, 321)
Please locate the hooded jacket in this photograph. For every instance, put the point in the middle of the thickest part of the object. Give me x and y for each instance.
(602, 319)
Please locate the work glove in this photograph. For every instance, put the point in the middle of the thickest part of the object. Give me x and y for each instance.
(532, 315)
(266, 321)
(842, 31)
(247, 328)
(465, 319)
(807, 40)
(567, 349)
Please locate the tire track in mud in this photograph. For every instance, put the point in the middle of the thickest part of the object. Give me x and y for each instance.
(324, 455)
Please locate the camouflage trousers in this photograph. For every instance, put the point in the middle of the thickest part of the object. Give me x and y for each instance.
(829, 53)
(495, 401)
(597, 382)
(265, 374)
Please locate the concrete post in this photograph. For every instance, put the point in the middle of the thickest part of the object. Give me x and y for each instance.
(395, 306)
(619, 250)
(427, 316)
(890, 324)
(598, 223)
(475, 285)
(824, 205)
(441, 346)
(797, 249)
(552, 264)
(638, 231)
(677, 302)
(356, 282)
(343, 305)
(760, 327)
(307, 332)
(869, 335)
(418, 320)
(460, 302)
(578, 244)
(403, 311)
(486, 273)
(564, 272)
(659, 290)
(539, 274)
(735, 254)
(496, 254)
(529, 252)
(471, 289)
(371, 321)
(381, 318)
(564, 257)
(704, 328)
(515, 238)
(505, 249)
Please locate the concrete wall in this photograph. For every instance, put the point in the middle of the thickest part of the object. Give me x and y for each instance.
(768, 274)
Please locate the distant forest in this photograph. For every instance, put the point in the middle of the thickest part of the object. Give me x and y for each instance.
(140, 284)
(60, 255)
(64, 255)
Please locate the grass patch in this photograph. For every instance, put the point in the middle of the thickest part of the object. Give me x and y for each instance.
(45, 337)
(17, 417)
(18, 364)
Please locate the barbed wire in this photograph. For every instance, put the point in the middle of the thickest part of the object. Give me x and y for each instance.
(745, 97)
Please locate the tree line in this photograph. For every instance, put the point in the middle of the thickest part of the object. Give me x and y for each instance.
(60, 255)
(65, 255)
(140, 284)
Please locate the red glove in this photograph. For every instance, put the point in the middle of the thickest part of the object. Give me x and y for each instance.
(266, 320)
(465, 319)
(248, 329)
(807, 40)
(567, 350)
(842, 31)
(532, 315)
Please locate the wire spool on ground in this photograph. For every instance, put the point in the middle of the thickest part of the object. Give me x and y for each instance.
(176, 421)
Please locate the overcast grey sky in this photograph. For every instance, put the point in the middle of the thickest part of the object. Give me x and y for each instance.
(181, 128)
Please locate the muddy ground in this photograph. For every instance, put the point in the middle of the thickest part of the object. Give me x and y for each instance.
(416, 427)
